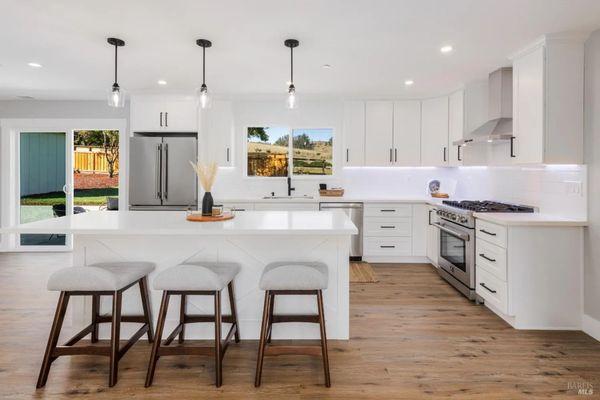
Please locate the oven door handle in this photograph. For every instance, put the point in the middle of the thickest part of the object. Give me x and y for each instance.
(460, 235)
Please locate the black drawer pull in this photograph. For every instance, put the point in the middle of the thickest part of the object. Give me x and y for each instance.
(388, 247)
(239, 209)
(487, 233)
(387, 210)
(387, 227)
(487, 258)
(487, 288)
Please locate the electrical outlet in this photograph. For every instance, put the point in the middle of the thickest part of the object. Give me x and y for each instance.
(574, 188)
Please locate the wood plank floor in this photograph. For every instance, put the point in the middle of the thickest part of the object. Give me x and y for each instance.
(412, 336)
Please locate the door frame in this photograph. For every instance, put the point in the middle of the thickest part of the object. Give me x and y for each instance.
(10, 130)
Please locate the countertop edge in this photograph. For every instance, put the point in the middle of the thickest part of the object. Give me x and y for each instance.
(541, 220)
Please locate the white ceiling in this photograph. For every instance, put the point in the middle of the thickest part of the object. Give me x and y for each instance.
(373, 45)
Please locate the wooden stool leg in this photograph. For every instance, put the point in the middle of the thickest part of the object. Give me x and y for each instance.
(162, 316)
(59, 317)
(261, 345)
(182, 307)
(115, 338)
(218, 355)
(233, 311)
(95, 314)
(323, 338)
(146, 305)
(270, 325)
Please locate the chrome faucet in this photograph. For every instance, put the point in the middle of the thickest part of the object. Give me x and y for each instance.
(289, 184)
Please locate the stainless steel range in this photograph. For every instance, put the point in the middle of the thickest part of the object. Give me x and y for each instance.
(456, 253)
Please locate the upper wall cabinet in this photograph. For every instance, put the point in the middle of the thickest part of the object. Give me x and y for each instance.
(455, 127)
(163, 114)
(548, 101)
(379, 146)
(407, 133)
(216, 133)
(434, 132)
(354, 134)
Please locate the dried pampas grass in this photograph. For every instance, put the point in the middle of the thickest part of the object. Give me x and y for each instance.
(206, 174)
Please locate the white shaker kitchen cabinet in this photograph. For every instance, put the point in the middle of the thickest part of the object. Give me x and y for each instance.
(152, 113)
(433, 236)
(216, 131)
(354, 134)
(455, 127)
(407, 133)
(379, 133)
(434, 132)
(548, 101)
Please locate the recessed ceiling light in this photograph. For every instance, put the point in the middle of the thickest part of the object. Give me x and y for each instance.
(446, 49)
(162, 82)
(326, 66)
(34, 65)
(408, 82)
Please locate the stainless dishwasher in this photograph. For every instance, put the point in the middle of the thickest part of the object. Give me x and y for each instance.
(355, 212)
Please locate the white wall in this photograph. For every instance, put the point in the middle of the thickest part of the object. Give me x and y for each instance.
(60, 109)
(592, 159)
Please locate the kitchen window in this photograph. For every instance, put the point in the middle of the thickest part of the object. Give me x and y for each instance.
(272, 150)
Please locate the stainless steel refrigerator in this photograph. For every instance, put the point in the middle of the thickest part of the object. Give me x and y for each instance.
(160, 174)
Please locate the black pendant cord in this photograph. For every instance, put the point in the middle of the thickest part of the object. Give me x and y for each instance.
(116, 47)
(291, 65)
(203, 66)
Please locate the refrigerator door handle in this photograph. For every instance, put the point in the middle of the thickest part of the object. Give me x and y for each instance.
(166, 177)
(157, 168)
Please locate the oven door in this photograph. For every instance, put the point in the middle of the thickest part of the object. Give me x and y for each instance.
(456, 252)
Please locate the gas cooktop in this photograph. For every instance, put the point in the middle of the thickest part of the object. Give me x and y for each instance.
(488, 206)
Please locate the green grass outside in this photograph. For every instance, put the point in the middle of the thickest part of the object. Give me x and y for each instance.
(85, 197)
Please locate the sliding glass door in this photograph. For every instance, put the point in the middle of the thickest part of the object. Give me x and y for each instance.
(44, 182)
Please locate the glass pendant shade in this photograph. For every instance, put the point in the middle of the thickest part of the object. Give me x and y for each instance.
(204, 100)
(291, 101)
(116, 97)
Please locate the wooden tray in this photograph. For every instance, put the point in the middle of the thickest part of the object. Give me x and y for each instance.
(201, 218)
(332, 192)
(440, 195)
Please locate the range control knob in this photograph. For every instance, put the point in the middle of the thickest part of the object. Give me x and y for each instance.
(463, 220)
(453, 217)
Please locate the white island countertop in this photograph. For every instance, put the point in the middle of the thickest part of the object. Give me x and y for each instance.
(174, 223)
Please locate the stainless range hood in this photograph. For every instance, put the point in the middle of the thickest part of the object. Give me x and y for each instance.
(499, 125)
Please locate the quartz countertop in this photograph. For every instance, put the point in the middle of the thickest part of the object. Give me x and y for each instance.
(529, 219)
(324, 223)
(328, 199)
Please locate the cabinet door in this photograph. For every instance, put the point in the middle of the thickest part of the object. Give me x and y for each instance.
(145, 115)
(407, 133)
(354, 133)
(217, 133)
(528, 108)
(455, 126)
(180, 116)
(433, 236)
(379, 133)
(434, 132)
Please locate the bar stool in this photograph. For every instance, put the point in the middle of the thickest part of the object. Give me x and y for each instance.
(101, 279)
(292, 278)
(192, 279)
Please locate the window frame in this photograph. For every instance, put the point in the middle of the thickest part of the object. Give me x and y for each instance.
(291, 129)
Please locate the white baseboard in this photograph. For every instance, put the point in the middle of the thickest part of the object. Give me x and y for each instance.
(397, 259)
(591, 326)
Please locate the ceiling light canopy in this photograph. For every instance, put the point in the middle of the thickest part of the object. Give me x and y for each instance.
(203, 96)
(116, 97)
(446, 49)
(291, 101)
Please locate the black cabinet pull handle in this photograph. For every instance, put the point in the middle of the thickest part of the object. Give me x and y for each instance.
(390, 155)
(486, 257)
(167, 119)
(388, 247)
(228, 154)
(430, 211)
(458, 155)
(487, 288)
(444, 153)
(161, 118)
(487, 233)
(387, 210)
(512, 147)
(347, 155)
(395, 155)
(387, 227)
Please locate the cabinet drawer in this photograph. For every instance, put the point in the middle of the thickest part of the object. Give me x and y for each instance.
(239, 207)
(379, 226)
(388, 246)
(492, 290)
(491, 257)
(492, 233)
(388, 210)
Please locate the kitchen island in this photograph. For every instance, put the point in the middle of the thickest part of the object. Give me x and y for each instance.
(252, 239)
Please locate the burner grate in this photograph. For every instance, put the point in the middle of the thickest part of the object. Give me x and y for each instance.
(488, 206)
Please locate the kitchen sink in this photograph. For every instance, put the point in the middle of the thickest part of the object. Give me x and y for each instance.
(287, 197)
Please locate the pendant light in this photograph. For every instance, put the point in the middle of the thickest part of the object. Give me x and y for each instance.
(291, 101)
(203, 96)
(116, 97)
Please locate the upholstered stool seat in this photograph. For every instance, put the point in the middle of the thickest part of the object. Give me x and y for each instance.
(99, 277)
(196, 276)
(96, 280)
(195, 279)
(292, 278)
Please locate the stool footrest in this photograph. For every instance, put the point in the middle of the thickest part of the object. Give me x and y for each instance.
(81, 350)
(295, 318)
(194, 319)
(293, 350)
(137, 319)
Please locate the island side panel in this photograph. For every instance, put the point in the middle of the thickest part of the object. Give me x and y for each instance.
(253, 253)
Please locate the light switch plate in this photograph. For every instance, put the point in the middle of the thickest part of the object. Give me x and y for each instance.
(574, 188)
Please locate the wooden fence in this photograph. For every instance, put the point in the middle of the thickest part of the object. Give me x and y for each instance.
(92, 162)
